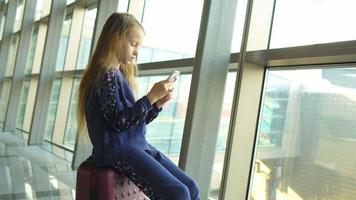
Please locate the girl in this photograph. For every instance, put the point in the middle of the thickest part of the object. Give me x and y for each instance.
(116, 122)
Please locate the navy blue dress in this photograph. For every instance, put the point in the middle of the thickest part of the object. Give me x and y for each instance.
(117, 127)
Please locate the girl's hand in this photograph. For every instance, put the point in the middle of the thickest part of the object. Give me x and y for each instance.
(162, 101)
(159, 90)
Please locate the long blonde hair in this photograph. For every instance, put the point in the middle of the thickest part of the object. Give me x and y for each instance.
(104, 58)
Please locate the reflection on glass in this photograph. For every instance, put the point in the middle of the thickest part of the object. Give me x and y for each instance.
(5, 93)
(274, 113)
(71, 129)
(52, 109)
(32, 51)
(86, 37)
(306, 22)
(173, 36)
(306, 136)
(19, 14)
(22, 106)
(63, 44)
(12, 55)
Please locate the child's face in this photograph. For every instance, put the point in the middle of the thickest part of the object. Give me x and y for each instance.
(131, 46)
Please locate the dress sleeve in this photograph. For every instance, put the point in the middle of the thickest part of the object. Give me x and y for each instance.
(112, 107)
(152, 114)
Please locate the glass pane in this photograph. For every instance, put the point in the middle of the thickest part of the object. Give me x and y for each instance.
(71, 129)
(5, 93)
(2, 24)
(19, 14)
(32, 50)
(63, 44)
(87, 36)
(122, 5)
(42, 8)
(31, 97)
(40, 42)
(306, 22)
(12, 55)
(165, 132)
(173, 36)
(22, 106)
(70, 1)
(52, 109)
(238, 26)
(306, 135)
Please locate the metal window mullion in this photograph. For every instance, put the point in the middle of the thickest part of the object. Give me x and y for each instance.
(20, 65)
(47, 73)
(238, 164)
(206, 95)
(6, 40)
(329, 53)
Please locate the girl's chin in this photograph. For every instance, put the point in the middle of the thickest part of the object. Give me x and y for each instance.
(127, 63)
(130, 62)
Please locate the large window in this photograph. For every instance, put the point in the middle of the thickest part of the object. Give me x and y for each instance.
(165, 132)
(306, 135)
(171, 28)
(305, 22)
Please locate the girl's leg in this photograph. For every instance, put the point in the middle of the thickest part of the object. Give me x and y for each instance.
(177, 172)
(152, 172)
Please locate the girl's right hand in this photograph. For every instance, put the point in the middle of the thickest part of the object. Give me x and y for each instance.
(159, 90)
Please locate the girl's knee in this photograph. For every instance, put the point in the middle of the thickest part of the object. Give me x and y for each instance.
(193, 189)
(180, 192)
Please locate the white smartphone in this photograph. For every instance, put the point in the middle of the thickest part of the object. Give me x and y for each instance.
(173, 75)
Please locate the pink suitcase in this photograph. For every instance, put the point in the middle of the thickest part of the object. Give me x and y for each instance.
(104, 184)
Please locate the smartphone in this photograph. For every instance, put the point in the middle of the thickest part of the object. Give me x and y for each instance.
(173, 75)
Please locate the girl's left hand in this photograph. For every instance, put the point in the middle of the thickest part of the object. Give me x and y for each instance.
(162, 101)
